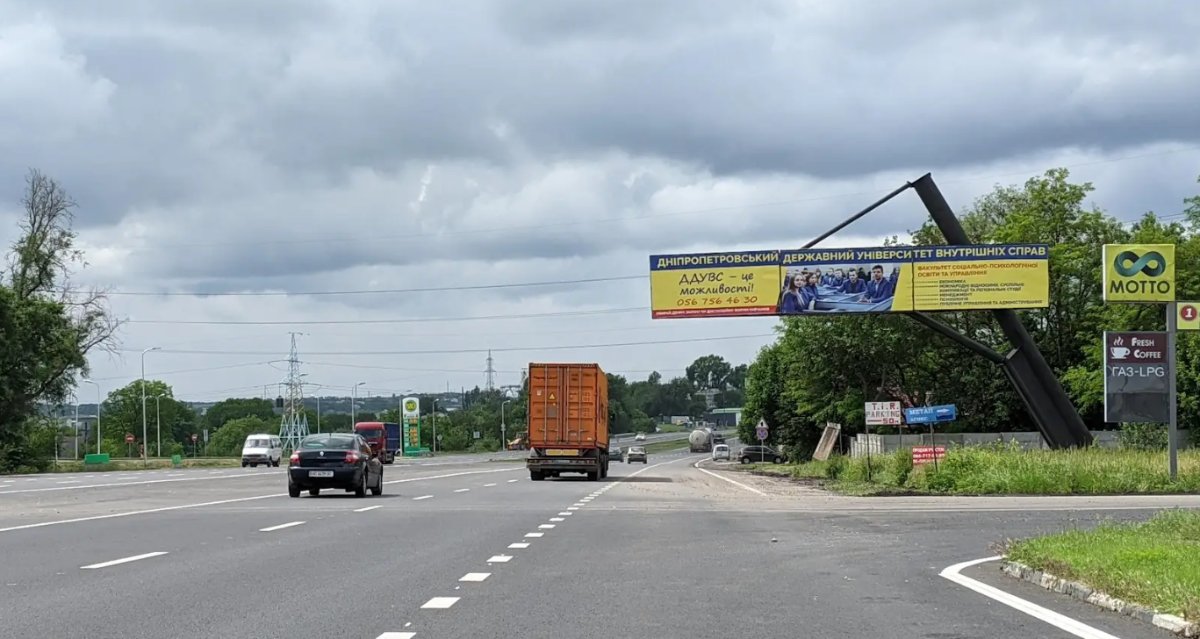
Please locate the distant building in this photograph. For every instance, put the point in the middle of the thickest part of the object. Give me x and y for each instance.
(724, 417)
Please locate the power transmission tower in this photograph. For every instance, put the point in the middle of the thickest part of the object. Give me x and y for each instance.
(491, 374)
(293, 426)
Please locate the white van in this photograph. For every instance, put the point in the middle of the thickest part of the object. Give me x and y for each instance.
(262, 449)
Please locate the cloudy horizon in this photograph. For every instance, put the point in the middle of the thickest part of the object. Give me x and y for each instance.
(379, 176)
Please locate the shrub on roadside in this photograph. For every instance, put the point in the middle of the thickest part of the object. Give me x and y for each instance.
(1143, 436)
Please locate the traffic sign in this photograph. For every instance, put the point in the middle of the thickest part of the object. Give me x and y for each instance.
(128, 438)
(761, 431)
(883, 413)
(930, 414)
(195, 437)
(1189, 316)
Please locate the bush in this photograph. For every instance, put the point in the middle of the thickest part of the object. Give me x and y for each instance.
(1143, 436)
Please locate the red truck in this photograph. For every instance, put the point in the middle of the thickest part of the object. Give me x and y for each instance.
(384, 438)
(568, 421)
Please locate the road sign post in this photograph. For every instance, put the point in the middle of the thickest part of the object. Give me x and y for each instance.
(761, 431)
(1172, 395)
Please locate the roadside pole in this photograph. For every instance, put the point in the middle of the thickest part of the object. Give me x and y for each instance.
(1173, 400)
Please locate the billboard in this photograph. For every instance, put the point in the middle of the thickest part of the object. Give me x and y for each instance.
(714, 284)
(1139, 272)
(410, 422)
(850, 280)
(883, 413)
(1136, 377)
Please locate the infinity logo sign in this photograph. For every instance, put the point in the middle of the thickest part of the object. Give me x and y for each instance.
(1140, 263)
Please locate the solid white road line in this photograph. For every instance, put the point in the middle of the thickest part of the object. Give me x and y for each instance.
(535, 534)
(128, 483)
(462, 490)
(440, 603)
(499, 559)
(397, 635)
(422, 497)
(363, 510)
(519, 545)
(126, 560)
(1060, 621)
(214, 503)
(475, 576)
(723, 478)
(280, 526)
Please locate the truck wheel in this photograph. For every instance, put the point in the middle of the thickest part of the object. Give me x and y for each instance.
(536, 475)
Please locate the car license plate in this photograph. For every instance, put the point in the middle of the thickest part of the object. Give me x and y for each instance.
(320, 473)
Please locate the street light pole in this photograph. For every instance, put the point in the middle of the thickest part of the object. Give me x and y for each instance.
(145, 450)
(354, 404)
(98, 402)
(76, 398)
(503, 435)
(433, 419)
(158, 425)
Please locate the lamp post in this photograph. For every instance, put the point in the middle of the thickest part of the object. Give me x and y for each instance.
(98, 402)
(144, 447)
(158, 425)
(354, 404)
(76, 398)
(433, 420)
(318, 387)
(503, 436)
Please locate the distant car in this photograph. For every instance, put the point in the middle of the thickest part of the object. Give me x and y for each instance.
(335, 460)
(262, 449)
(720, 451)
(640, 437)
(615, 454)
(760, 454)
(636, 453)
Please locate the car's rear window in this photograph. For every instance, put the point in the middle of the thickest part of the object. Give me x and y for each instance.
(330, 443)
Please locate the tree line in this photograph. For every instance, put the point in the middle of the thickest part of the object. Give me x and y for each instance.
(824, 369)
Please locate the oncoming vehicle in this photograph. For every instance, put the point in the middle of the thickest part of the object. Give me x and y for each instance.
(640, 437)
(262, 449)
(615, 454)
(720, 451)
(636, 453)
(335, 460)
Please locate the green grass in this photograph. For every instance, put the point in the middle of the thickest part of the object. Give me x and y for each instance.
(1154, 563)
(1003, 470)
(661, 447)
(73, 466)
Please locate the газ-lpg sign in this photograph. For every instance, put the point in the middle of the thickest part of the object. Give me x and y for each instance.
(1139, 272)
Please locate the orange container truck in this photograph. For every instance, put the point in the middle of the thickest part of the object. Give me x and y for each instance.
(568, 421)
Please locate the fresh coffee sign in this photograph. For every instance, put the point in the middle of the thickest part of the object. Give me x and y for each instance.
(1136, 377)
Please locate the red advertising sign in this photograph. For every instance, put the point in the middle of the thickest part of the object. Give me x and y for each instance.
(927, 454)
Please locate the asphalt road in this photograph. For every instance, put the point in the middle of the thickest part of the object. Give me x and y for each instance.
(664, 549)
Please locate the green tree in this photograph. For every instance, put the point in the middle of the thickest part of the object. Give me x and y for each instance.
(709, 372)
(227, 442)
(234, 407)
(48, 325)
(123, 414)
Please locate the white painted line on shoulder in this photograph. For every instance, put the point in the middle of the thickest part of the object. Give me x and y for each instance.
(546, 526)
(499, 559)
(558, 518)
(534, 534)
(365, 509)
(440, 603)
(126, 483)
(397, 635)
(126, 560)
(462, 490)
(723, 478)
(422, 497)
(281, 526)
(475, 576)
(1060, 621)
(519, 545)
(489, 485)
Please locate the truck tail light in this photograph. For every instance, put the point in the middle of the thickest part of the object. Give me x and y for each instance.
(352, 458)
(294, 459)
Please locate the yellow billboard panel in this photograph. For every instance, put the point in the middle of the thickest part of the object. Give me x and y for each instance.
(1139, 272)
(714, 284)
(959, 278)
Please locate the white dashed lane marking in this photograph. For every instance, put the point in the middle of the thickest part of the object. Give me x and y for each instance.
(488, 485)
(558, 518)
(422, 497)
(534, 534)
(475, 576)
(499, 559)
(397, 635)
(125, 560)
(462, 490)
(565, 513)
(512, 481)
(440, 603)
(519, 545)
(280, 526)
(546, 526)
(363, 510)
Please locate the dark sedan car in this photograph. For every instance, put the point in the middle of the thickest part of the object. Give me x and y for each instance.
(335, 460)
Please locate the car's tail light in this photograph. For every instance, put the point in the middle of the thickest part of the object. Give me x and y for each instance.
(352, 458)
(294, 459)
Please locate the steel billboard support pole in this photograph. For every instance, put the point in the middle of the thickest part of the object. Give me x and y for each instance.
(1172, 398)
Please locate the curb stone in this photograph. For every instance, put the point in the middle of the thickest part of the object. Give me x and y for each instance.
(1082, 592)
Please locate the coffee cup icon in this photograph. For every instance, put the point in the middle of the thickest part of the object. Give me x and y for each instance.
(1119, 352)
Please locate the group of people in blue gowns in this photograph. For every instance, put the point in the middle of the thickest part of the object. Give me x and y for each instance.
(802, 290)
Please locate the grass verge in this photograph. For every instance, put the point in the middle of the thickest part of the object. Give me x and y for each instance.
(1153, 563)
(1003, 470)
(136, 464)
(662, 447)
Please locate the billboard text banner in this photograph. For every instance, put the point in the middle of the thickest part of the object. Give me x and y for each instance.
(1139, 272)
(714, 284)
(1136, 377)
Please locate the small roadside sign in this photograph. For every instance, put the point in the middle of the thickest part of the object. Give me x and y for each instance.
(128, 438)
(195, 437)
(761, 431)
(928, 454)
(1189, 316)
(883, 413)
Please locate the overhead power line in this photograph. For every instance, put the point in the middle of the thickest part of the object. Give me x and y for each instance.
(383, 291)
(560, 347)
(407, 320)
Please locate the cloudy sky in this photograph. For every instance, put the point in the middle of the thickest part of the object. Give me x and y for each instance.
(321, 158)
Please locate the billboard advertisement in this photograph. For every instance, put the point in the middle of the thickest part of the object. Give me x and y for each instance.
(1139, 272)
(410, 422)
(714, 284)
(851, 280)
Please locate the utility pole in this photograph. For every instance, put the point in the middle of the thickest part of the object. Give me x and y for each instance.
(98, 402)
(145, 451)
